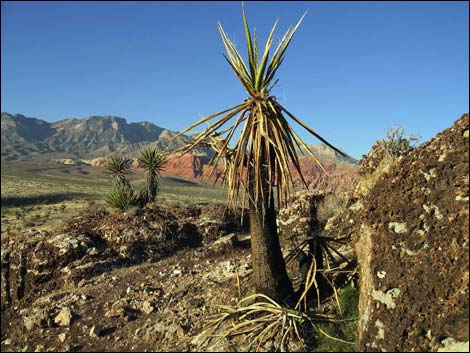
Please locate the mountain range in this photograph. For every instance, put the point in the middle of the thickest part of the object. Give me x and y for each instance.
(24, 138)
(96, 136)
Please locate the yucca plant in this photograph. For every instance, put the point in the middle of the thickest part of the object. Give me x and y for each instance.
(153, 160)
(257, 167)
(118, 168)
(121, 197)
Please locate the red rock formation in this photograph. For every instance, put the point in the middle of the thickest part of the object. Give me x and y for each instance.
(192, 166)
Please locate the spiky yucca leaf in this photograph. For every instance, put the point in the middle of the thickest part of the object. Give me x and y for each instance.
(118, 168)
(122, 197)
(267, 143)
(153, 160)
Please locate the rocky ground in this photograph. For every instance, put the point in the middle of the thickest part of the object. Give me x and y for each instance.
(101, 285)
(144, 280)
(148, 307)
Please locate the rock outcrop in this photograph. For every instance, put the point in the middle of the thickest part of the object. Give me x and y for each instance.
(412, 241)
(66, 161)
(189, 166)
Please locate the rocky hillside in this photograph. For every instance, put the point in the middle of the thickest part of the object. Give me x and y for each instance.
(141, 281)
(410, 223)
(96, 136)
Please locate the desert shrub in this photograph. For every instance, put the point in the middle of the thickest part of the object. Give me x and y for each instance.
(349, 301)
(396, 143)
(381, 156)
(29, 223)
(385, 151)
(19, 214)
(122, 197)
(328, 207)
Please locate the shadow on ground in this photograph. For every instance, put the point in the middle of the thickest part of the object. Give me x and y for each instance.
(41, 199)
(181, 181)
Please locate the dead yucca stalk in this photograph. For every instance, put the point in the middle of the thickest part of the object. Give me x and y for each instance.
(260, 319)
(328, 273)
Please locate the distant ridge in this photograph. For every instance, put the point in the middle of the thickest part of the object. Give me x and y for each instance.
(96, 136)
(25, 138)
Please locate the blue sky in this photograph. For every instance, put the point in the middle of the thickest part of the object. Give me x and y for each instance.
(352, 70)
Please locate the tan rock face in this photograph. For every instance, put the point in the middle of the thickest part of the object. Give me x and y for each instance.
(97, 162)
(64, 318)
(363, 251)
(66, 161)
(413, 249)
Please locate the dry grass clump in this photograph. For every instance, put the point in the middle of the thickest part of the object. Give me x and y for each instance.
(331, 205)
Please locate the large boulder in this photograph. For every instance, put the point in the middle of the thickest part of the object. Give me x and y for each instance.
(412, 242)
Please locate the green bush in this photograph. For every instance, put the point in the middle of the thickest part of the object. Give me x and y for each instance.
(119, 168)
(345, 330)
(122, 197)
(349, 301)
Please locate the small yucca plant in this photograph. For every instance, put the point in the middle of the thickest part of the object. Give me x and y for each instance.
(118, 167)
(153, 160)
(122, 197)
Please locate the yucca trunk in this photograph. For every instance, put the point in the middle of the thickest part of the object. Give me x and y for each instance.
(151, 186)
(122, 181)
(269, 269)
